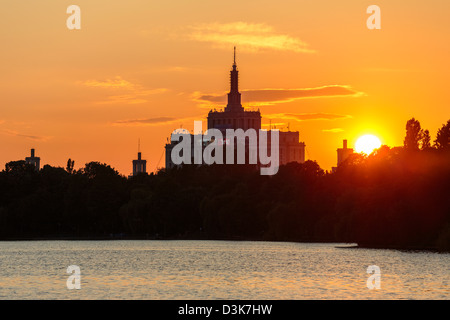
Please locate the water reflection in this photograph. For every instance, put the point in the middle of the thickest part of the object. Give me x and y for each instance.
(216, 270)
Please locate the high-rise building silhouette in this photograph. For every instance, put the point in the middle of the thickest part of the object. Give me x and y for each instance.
(234, 116)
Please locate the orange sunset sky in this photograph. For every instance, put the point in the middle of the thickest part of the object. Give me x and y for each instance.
(140, 69)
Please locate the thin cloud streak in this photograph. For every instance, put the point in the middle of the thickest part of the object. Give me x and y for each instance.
(132, 93)
(307, 116)
(148, 121)
(262, 97)
(26, 136)
(273, 124)
(334, 130)
(134, 97)
(151, 121)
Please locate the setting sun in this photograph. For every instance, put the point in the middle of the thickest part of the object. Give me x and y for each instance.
(367, 143)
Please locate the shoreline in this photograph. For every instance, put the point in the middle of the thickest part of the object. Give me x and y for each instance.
(351, 245)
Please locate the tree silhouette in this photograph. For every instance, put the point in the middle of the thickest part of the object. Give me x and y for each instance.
(390, 198)
(425, 140)
(443, 137)
(413, 134)
(96, 169)
(70, 165)
(19, 167)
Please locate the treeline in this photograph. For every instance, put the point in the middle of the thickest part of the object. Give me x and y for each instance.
(395, 197)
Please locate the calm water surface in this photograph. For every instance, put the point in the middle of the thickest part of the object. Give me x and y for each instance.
(216, 270)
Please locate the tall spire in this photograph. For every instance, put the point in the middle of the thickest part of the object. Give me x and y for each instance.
(139, 149)
(234, 97)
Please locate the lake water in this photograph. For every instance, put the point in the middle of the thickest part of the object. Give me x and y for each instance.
(216, 270)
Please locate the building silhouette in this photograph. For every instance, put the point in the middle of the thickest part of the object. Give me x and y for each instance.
(342, 154)
(139, 165)
(234, 116)
(33, 160)
(172, 143)
(291, 150)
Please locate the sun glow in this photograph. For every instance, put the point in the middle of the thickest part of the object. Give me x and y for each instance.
(367, 143)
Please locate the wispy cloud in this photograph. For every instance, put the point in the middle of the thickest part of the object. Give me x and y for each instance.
(26, 136)
(307, 116)
(152, 121)
(178, 69)
(277, 124)
(134, 97)
(334, 130)
(261, 97)
(247, 36)
(117, 82)
(148, 121)
(129, 93)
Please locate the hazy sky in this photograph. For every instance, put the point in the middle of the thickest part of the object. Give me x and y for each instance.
(140, 69)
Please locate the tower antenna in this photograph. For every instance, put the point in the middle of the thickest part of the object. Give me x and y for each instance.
(234, 60)
(139, 145)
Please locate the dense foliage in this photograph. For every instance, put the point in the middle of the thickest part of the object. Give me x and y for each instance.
(393, 198)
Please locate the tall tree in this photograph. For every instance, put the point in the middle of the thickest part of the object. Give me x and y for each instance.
(443, 137)
(425, 140)
(413, 134)
(70, 165)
